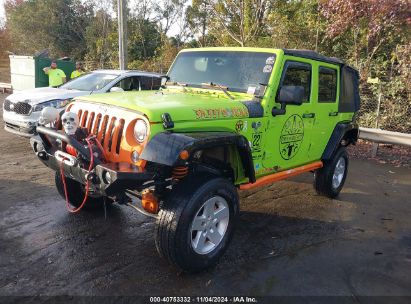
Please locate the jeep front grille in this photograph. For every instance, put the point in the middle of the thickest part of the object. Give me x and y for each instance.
(22, 108)
(113, 126)
(107, 128)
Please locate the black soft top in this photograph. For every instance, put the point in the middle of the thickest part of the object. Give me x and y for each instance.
(312, 55)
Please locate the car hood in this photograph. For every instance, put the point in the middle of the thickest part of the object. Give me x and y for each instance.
(39, 95)
(181, 105)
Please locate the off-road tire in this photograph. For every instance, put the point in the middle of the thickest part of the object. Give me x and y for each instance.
(173, 235)
(75, 194)
(323, 178)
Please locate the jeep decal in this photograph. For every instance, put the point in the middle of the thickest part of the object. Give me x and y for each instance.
(236, 112)
(291, 137)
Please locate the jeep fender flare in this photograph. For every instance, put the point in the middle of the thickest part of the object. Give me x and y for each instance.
(347, 131)
(165, 147)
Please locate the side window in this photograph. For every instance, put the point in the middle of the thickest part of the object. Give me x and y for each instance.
(327, 85)
(129, 84)
(298, 74)
(150, 83)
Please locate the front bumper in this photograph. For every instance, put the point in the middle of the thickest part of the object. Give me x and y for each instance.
(105, 178)
(22, 125)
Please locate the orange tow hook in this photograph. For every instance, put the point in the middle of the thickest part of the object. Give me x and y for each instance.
(149, 201)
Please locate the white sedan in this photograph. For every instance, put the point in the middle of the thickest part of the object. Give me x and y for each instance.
(21, 110)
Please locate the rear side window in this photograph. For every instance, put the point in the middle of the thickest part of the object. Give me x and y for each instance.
(298, 74)
(327, 85)
(349, 92)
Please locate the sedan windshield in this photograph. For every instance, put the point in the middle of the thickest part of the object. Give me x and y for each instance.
(89, 82)
(238, 71)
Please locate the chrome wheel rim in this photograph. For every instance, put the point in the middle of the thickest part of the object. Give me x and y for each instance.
(339, 172)
(210, 225)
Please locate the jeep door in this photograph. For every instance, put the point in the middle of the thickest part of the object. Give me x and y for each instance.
(326, 77)
(290, 134)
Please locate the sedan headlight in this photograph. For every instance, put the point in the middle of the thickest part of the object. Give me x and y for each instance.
(140, 130)
(57, 103)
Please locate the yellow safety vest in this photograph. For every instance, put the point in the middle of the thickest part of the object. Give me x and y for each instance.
(55, 77)
(75, 74)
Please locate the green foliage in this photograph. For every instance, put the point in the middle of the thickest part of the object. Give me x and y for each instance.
(143, 39)
(57, 25)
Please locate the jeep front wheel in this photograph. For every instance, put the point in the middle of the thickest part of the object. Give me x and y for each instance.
(196, 223)
(330, 179)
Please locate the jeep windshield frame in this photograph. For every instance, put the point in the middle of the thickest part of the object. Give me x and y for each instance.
(237, 71)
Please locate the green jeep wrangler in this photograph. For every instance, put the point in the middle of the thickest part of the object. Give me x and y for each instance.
(225, 119)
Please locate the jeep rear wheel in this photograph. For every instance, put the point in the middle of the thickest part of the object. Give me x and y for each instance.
(330, 179)
(196, 222)
(75, 193)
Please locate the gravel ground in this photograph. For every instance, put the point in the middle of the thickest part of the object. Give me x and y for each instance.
(289, 241)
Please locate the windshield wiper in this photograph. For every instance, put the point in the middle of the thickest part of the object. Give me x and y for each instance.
(221, 87)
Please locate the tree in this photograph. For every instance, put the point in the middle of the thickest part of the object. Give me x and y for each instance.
(241, 20)
(197, 16)
(143, 39)
(102, 41)
(372, 24)
(167, 13)
(57, 25)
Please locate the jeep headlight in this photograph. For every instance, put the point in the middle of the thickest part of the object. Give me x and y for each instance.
(57, 103)
(140, 130)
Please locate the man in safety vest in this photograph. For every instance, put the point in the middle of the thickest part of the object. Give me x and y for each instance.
(56, 76)
(78, 72)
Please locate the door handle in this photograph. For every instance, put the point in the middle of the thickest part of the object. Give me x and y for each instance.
(333, 114)
(309, 115)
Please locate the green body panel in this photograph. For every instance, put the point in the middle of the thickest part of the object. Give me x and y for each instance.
(278, 142)
(182, 104)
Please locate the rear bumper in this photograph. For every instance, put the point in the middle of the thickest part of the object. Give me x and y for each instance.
(105, 179)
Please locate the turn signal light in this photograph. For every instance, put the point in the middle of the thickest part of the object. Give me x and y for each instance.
(149, 201)
(184, 155)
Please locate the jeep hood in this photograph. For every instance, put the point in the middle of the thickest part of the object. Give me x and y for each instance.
(182, 106)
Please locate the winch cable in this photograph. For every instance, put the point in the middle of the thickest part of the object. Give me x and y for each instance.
(63, 178)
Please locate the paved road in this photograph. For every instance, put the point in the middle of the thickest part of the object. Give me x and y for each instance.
(289, 240)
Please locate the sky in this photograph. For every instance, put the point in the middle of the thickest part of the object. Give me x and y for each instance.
(1, 12)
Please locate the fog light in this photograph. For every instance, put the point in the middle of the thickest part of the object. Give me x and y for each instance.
(134, 156)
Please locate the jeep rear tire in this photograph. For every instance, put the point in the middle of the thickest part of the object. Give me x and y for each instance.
(196, 222)
(75, 193)
(330, 179)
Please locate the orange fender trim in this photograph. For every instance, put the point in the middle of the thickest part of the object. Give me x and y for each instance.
(265, 180)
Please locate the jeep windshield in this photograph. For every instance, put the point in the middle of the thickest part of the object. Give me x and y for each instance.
(89, 82)
(238, 71)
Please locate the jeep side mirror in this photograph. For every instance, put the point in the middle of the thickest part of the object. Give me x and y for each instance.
(293, 95)
(288, 95)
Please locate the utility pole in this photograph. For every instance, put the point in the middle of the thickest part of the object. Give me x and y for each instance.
(122, 33)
